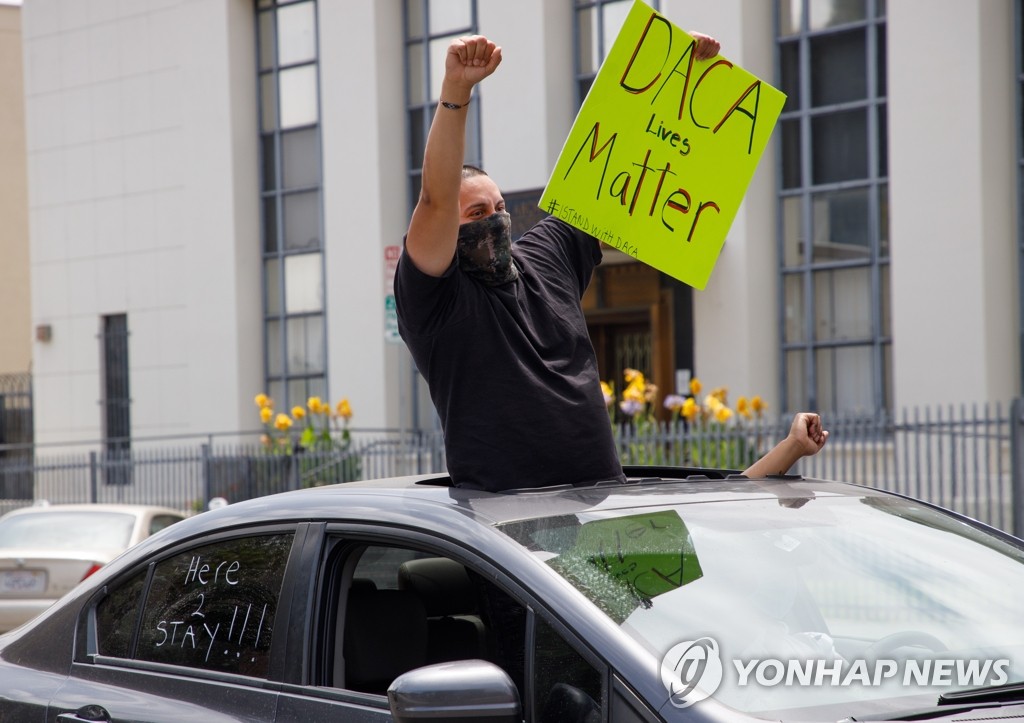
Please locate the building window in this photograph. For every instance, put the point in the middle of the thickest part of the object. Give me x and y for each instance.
(833, 206)
(295, 344)
(597, 23)
(430, 25)
(116, 402)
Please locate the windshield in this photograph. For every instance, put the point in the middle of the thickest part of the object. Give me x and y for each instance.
(851, 603)
(67, 530)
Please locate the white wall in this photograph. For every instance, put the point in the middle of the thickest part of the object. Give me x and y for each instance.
(143, 198)
(528, 104)
(951, 164)
(365, 198)
(735, 335)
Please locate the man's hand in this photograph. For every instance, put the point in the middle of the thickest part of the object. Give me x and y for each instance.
(806, 431)
(707, 47)
(469, 60)
(806, 437)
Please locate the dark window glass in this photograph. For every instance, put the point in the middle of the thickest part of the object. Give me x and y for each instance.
(270, 224)
(839, 68)
(213, 607)
(791, 153)
(790, 59)
(117, 424)
(159, 522)
(840, 146)
(883, 141)
(446, 612)
(300, 158)
(567, 687)
(417, 137)
(883, 220)
(116, 615)
(269, 163)
(881, 78)
(302, 221)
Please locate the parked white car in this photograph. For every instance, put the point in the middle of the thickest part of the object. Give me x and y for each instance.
(47, 550)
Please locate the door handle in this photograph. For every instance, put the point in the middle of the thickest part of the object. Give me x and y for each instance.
(86, 714)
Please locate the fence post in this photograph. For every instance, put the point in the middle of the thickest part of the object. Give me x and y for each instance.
(1017, 465)
(93, 475)
(205, 481)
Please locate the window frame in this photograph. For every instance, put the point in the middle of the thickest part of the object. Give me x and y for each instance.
(339, 541)
(579, 9)
(87, 632)
(806, 347)
(419, 116)
(278, 383)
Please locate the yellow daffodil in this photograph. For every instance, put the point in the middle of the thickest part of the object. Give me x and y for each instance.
(344, 409)
(689, 409)
(262, 400)
(723, 413)
(712, 402)
(283, 422)
(608, 392)
(695, 386)
(298, 412)
(743, 407)
(632, 375)
(721, 393)
(758, 405)
(265, 414)
(634, 392)
(315, 404)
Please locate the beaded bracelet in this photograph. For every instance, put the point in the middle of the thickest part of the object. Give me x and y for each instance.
(454, 106)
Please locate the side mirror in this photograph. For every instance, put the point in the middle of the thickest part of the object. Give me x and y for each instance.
(463, 690)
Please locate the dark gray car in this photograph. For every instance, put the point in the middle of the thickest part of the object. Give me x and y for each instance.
(680, 595)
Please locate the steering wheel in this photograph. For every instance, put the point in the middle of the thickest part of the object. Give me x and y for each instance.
(895, 641)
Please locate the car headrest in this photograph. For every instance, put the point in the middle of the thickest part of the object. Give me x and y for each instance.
(443, 585)
(385, 636)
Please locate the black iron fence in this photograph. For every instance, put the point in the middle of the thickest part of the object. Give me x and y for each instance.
(968, 458)
(16, 432)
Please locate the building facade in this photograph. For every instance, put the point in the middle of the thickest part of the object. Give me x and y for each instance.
(218, 189)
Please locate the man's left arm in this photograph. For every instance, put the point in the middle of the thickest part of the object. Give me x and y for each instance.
(806, 437)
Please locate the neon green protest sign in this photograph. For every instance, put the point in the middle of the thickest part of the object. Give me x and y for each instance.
(663, 149)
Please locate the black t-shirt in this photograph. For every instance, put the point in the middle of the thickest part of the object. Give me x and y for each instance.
(511, 368)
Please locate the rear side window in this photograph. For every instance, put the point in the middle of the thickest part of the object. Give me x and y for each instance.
(212, 607)
(159, 522)
(67, 530)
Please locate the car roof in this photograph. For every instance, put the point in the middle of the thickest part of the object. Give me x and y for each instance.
(134, 509)
(651, 486)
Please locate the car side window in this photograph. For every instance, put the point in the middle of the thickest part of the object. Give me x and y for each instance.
(405, 609)
(213, 607)
(566, 686)
(116, 615)
(159, 522)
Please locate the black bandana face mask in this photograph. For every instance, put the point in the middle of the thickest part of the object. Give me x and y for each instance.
(485, 249)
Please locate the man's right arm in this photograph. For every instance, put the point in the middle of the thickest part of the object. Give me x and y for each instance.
(434, 228)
